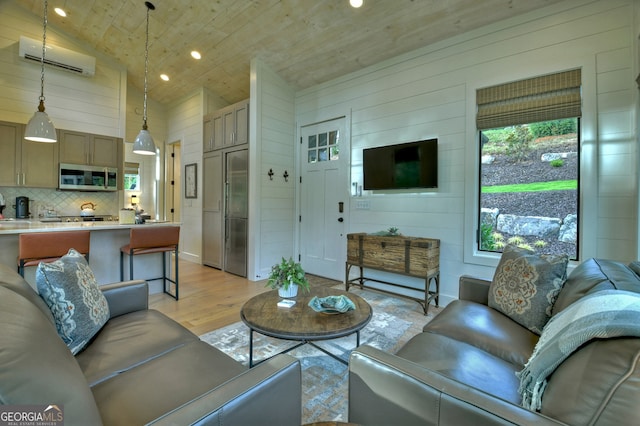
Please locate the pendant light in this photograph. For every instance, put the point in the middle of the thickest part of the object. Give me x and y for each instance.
(40, 128)
(144, 142)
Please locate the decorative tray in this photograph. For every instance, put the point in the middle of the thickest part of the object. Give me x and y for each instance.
(332, 304)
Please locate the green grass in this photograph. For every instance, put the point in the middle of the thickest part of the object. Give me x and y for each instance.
(556, 185)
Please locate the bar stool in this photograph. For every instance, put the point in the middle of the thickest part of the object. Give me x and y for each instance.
(153, 239)
(48, 247)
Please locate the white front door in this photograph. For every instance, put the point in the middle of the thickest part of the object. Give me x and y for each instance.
(324, 198)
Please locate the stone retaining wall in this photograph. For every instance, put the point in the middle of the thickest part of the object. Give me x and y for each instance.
(545, 228)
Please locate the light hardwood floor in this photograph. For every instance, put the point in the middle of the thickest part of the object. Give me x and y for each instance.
(209, 298)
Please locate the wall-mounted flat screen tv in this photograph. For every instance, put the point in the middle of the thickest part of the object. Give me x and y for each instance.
(403, 166)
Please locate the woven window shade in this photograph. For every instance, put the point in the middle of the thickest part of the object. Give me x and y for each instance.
(131, 168)
(549, 97)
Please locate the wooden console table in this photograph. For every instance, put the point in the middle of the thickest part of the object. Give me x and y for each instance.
(410, 256)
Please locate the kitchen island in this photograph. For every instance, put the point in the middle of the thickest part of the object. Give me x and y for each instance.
(106, 239)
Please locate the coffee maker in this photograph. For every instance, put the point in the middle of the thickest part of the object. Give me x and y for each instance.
(22, 208)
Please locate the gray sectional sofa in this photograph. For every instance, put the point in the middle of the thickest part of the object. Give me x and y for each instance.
(462, 369)
(142, 367)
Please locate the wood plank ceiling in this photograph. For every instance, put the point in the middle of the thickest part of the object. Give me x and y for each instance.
(305, 41)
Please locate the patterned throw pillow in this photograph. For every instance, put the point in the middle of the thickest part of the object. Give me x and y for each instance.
(526, 285)
(74, 297)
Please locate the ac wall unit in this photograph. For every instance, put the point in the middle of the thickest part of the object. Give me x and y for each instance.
(58, 57)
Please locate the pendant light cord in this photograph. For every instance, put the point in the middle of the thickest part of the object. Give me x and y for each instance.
(146, 66)
(44, 50)
(40, 128)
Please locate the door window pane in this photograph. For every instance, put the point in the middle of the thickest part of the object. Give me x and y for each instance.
(334, 139)
(323, 147)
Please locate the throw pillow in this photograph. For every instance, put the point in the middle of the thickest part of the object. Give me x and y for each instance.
(69, 288)
(526, 285)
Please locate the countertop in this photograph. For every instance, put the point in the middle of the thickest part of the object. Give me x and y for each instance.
(107, 237)
(22, 226)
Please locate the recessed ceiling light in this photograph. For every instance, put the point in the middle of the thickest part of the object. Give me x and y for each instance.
(356, 3)
(164, 77)
(60, 12)
(195, 54)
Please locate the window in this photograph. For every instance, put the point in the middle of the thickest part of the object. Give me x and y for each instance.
(323, 147)
(131, 176)
(529, 164)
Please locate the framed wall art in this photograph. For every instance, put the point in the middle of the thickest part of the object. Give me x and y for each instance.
(191, 180)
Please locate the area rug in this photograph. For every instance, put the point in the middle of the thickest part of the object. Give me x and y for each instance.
(324, 380)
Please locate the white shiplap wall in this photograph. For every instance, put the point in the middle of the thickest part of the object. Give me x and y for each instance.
(156, 117)
(89, 104)
(102, 104)
(149, 194)
(617, 154)
(185, 125)
(431, 93)
(271, 205)
(184, 121)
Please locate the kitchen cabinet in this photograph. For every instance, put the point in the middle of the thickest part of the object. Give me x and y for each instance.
(212, 213)
(26, 163)
(225, 161)
(213, 132)
(226, 127)
(10, 135)
(237, 128)
(86, 148)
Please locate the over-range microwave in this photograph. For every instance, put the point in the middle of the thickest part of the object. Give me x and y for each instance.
(80, 177)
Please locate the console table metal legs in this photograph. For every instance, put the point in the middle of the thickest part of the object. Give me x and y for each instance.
(415, 257)
(429, 294)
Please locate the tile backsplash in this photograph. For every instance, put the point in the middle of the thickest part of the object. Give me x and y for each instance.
(44, 201)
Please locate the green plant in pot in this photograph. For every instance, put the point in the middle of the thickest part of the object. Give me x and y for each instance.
(287, 276)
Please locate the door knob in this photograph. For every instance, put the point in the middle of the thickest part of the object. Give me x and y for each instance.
(340, 219)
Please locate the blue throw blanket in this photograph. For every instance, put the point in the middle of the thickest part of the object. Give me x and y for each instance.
(602, 315)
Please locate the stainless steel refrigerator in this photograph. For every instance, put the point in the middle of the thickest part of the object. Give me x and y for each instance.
(236, 212)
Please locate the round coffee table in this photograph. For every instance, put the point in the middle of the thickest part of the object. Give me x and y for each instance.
(301, 323)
